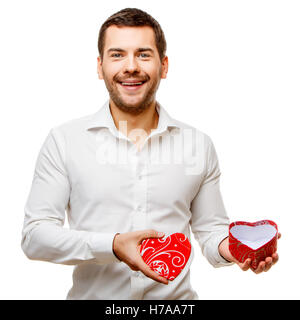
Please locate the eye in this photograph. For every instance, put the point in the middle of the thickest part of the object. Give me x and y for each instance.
(116, 55)
(144, 55)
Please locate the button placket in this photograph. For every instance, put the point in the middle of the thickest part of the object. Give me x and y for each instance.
(139, 215)
(140, 192)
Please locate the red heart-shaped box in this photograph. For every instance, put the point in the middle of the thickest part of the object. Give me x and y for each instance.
(256, 240)
(167, 256)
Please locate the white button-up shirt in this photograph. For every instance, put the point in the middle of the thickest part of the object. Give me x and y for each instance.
(94, 173)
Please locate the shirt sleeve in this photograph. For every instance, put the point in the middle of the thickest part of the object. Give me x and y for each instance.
(44, 236)
(209, 222)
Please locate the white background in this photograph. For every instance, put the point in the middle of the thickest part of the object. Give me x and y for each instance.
(234, 74)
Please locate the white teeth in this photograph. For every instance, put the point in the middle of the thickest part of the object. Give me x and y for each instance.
(131, 84)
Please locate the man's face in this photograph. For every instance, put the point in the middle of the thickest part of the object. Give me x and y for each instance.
(131, 67)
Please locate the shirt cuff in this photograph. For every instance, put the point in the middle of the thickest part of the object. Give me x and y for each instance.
(101, 246)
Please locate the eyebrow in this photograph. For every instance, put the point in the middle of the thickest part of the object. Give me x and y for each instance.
(122, 50)
(145, 49)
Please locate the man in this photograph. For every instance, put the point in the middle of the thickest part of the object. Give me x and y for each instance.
(124, 174)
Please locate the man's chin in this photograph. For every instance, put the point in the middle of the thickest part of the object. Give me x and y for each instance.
(132, 107)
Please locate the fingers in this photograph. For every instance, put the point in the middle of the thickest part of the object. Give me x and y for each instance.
(266, 265)
(279, 235)
(128, 245)
(149, 234)
(275, 257)
(147, 271)
(246, 265)
(260, 268)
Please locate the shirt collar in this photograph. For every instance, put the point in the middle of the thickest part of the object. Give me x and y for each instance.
(103, 118)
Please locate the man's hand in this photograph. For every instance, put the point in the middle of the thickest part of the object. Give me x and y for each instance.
(126, 247)
(262, 266)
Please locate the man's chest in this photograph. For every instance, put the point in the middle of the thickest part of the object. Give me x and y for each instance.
(113, 175)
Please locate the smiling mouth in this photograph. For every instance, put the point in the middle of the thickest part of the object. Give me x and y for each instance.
(130, 85)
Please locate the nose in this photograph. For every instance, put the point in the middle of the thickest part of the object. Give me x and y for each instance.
(131, 65)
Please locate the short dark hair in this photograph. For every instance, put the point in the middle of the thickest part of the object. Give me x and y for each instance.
(132, 17)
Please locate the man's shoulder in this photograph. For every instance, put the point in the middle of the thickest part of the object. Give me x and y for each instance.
(189, 129)
(73, 125)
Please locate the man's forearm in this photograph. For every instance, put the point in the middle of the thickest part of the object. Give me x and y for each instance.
(53, 243)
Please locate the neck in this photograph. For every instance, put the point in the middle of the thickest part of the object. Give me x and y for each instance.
(146, 120)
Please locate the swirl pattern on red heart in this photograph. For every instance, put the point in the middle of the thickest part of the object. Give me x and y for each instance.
(166, 256)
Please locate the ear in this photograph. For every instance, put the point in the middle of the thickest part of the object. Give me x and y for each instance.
(164, 67)
(99, 68)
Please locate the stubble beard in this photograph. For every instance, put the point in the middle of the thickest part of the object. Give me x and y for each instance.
(116, 96)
